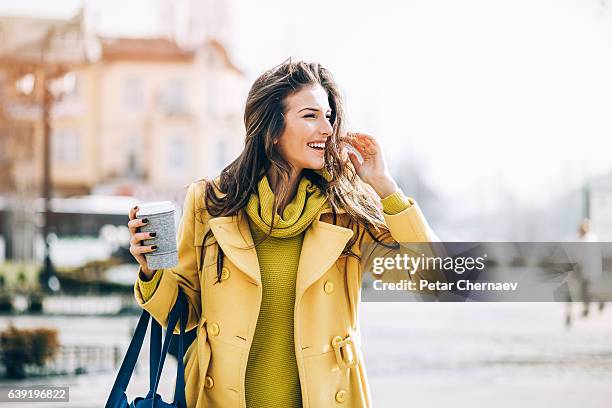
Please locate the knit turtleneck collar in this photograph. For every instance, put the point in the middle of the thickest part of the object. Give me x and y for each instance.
(297, 215)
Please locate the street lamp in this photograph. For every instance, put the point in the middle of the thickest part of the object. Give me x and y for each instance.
(53, 89)
(25, 84)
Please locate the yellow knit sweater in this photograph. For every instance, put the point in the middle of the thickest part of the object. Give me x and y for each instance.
(272, 378)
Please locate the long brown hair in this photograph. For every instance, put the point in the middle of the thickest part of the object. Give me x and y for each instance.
(264, 122)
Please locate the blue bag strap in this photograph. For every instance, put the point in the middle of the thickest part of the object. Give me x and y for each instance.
(154, 351)
(129, 361)
(179, 388)
(179, 311)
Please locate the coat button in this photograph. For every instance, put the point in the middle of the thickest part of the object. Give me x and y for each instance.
(328, 287)
(341, 396)
(208, 382)
(214, 329)
(225, 273)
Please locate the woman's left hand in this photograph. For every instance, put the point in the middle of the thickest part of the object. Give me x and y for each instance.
(373, 170)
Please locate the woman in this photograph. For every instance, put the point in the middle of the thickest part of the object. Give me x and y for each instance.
(270, 251)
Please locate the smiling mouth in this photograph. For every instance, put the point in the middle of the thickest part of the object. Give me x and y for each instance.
(320, 146)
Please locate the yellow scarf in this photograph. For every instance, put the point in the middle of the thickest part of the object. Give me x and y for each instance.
(297, 215)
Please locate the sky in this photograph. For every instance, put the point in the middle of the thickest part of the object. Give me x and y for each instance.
(487, 98)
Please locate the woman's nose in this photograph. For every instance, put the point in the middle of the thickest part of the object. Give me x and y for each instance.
(327, 128)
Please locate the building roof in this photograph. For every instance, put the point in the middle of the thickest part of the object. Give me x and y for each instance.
(147, 49)
(215, 44)
(159, 50)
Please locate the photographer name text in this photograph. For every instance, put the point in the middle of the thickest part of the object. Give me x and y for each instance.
(463, 284)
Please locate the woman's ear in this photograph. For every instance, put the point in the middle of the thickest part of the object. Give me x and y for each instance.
(274, 141)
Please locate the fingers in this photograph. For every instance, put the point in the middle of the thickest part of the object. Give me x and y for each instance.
(133, 212)
(352, 140)
(136, 249)
(365, 144)
(141, 236)
(354, 160)
(369, 142)
(358, 135)
(142, 249)
(367, 138)
(136, 223)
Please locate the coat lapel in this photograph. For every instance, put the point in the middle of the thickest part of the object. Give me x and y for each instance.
(234, 237)
(323, 244)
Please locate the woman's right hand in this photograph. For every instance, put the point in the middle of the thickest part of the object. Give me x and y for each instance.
(136, 249)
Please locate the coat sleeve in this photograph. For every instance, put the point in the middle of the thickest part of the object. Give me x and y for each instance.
(159, 295)
(407, 227)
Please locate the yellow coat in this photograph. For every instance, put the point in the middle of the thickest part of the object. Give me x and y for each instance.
(327, 342)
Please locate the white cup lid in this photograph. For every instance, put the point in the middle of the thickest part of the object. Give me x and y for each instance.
(157, 207)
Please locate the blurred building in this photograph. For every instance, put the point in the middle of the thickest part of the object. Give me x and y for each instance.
(142, 117)
(32, 51)
(166, 116)
(145, 112)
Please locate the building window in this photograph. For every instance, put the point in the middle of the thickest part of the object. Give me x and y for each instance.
(66, 147)
(134, 156)
(133, 93)
(178, 153)
(211, 97)
(175, 97)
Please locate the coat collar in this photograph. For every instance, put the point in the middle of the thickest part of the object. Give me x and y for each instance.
(323, 244)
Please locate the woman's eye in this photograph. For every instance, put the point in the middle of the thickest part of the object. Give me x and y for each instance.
(312, 115)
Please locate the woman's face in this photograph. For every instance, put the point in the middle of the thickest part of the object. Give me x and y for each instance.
(307, 128)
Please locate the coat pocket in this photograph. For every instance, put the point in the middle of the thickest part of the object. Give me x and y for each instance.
(222, 381)
(328, 385)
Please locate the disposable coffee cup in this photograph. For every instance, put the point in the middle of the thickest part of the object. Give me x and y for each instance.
(161, 221)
